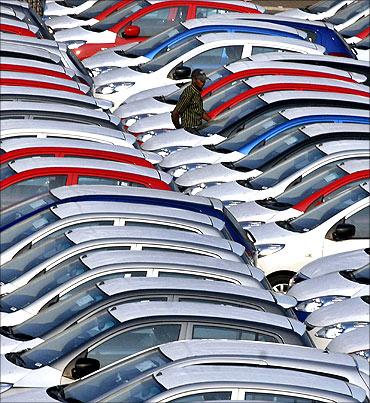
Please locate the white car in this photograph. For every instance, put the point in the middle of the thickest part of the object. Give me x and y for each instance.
(330, 321)
(341, 224)
(68, 7)
(328, 289)
(330, 264)
(317, 11)
(32, 128)
(103, 265)
(349, 15)
(355, 342)
(283, 206)
(288, 173)
(126, 55)
(362, 49)
(219, 98)
(208, 52)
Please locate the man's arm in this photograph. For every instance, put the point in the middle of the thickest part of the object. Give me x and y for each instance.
(181, 105)
(206, 117)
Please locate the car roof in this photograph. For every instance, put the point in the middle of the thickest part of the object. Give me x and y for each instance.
(271, 40)
(180, 285)
(349, 342)
(258, 379)
(36, 63)
(26, 164)
(322, 128)
(170, 260)
(19, 24)
(14, 47)
(152, 235)
(127, 312)
(319, 110)
(332, 147)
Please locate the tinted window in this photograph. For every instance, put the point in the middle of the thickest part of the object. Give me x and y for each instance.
(205, 12)
(204, 397)
(5, 171)
(361, 221)
(265, 49)
(272, 397)
(93, 180)
(349, 12)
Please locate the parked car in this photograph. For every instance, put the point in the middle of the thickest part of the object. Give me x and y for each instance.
(355, 343)
(68, 7)
(139, 20)
(347, 16)
(125, 329)
(339, 225)
(357, 31)
(197, 352)
(330, 321)
(110, 263)
(30, 177)
(362, 49)
(17, 27)
(207, 51)
(304, 196)
(328, 289)
(60, 315)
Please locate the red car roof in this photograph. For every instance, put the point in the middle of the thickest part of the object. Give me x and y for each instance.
(38, 84)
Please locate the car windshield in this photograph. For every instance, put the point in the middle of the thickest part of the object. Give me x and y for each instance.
(364, 44)
(16, 212)
(224, 121)
(224, 94)
(252, 130)
(152, 43)
(42, 284)
(321, 6)
(349, 12)
(286, 168)
(119, 15)
(39, 253)
(272, 148)
(160, 61)
(325, 211)
(108, 381)
(25, 228)
(6, 171)
(58, 346)
(95, 9)
(356, 28)
(137, 392)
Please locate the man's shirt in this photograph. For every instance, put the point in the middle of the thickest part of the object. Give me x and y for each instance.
(190, 107)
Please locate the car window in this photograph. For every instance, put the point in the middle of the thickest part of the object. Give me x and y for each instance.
(205, 12)
(181, 274)
(157, 21)
(204, 397)
(218, 302)
(30, 188)
(212, 59)
(272, 397)
(361, 221)
(6, 171)
(265, 49)
(94, 180)
(220, 332)
(134, 340)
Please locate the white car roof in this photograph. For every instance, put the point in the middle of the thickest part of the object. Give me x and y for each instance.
(321, 128)
(37, 63)
(18, 24)
(27, 164)
(332, 147)
(260, 380)
(128, 312)
(319, 110)
(14, 47)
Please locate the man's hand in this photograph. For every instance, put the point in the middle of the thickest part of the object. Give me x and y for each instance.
(206, 117)
(175, 116)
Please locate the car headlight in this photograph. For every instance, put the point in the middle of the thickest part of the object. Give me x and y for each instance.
(163, 152)
(176, 172)
(363, 353)
(247, 224)
(74, 44)
(5, 386)
(297, 278)
(268, 249)
(332, 331)
(98, 70)
(113, 87)
(130, 120)
(314, 304)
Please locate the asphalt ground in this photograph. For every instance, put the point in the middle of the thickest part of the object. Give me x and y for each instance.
(280, 5)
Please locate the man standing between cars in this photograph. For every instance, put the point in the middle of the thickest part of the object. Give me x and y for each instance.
(37, 5)
(190, 105)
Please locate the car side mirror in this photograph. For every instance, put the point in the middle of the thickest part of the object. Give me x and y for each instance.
(343, 232)
(132, 31)
(182, 72)
(84, 366)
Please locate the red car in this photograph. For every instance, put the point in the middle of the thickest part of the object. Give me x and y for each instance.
(138, 20)
(29, 177)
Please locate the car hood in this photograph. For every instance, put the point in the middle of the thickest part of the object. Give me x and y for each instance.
(66, 21)
(113, 59)
(350, 342)
(118, 75)
(82, 34)
(153, 92)
(297, 13)
(16, 395)
(326, 285)
(232, 191)
(271, 233)
(350, 310)
(160, 121)
(208, 174)
(147, 105)
(8, 345)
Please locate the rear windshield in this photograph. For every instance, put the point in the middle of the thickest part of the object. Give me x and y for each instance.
(349, 12)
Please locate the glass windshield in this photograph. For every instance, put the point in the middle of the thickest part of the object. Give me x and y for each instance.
(349, 12)
(6, 171)
(42, 284)
(325, 211)
(224, 94)
(252, 130)
(356, 28)
(270, 149)
(321, 6)
(221, 124)
(119, 15)
(152, 43)
(160, 61)
(281, 171)
(362, 275)
(39, 253)
(137, 393)
(115, 377)
(24, 228)
(56, 347)
(364, 44)
(95, 9)
(16, 212)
